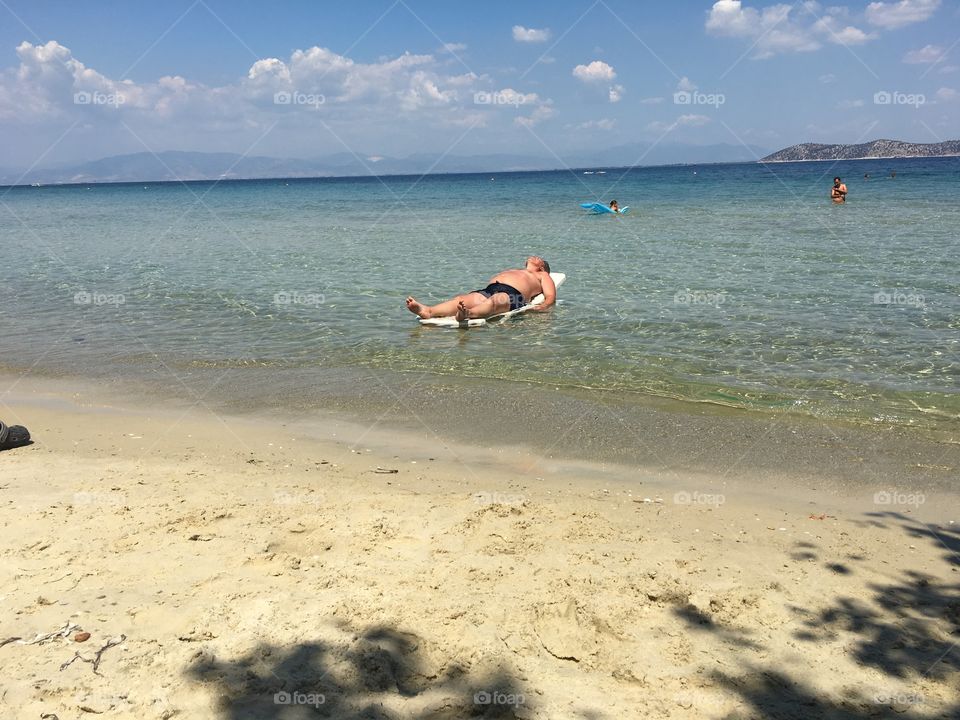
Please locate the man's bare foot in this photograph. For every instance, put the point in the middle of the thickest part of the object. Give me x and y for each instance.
(463, 313)
(417, 309)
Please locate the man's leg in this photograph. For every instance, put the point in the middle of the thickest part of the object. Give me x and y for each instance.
(496, 304)
(445, 309)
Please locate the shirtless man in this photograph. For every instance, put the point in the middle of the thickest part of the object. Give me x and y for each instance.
(508, 290)
(839, 191)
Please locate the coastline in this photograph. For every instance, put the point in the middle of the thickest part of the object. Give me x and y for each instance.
(629, 433)
(866, 157)
(245, 556)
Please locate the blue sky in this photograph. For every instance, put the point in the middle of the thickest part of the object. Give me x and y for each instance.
(302, 79)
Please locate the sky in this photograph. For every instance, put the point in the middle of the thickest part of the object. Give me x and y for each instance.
(373, 78)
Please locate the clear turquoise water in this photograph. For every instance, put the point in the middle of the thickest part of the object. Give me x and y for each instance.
(733, 284)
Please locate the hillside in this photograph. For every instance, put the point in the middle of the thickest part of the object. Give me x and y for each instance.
(875, 149)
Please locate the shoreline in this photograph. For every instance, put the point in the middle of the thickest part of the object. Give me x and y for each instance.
(651, 434)
(241, 558)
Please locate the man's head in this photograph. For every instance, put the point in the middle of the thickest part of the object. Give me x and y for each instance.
(537, 264)
(836, 181)
(613, 204)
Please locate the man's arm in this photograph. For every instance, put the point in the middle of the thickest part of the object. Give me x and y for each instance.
(549, 291)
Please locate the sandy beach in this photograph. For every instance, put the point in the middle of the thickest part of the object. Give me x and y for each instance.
(238, 568)
(355, 392)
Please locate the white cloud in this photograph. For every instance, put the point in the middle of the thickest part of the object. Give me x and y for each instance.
(597, 71)
(947, 94)
(49, 76)
(453, 47)
(600, 73)
(543, 111)
(360, 100)
(651, 101)
(530, 35)
(828, 78)
(848, 35)
(685, 84)
(949, 69)
(603, 124)
(727, 17)
(772, 30)
(849, 104)
(268, 67)
(893, 15)
(927, 55)
(783, 28)
(49, 80)
(833, 25)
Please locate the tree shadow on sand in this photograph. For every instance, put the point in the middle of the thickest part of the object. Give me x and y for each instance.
(380, 674)
(908, 630)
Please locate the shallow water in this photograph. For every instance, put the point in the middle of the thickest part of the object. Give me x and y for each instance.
(739, 285)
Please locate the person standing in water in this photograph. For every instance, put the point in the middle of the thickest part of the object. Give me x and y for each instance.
(838, 193)
(614, 206)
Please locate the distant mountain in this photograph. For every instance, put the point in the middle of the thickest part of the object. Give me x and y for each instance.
(177, 165)
(664, 154)
(875, 149)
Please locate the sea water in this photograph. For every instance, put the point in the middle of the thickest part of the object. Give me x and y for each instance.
(738, 285)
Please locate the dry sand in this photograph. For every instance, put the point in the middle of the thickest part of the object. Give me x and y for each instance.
(240, 559)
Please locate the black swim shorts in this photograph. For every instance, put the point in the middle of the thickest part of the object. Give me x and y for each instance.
(516, 297)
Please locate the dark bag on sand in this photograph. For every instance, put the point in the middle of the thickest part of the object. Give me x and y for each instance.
(12, 436)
